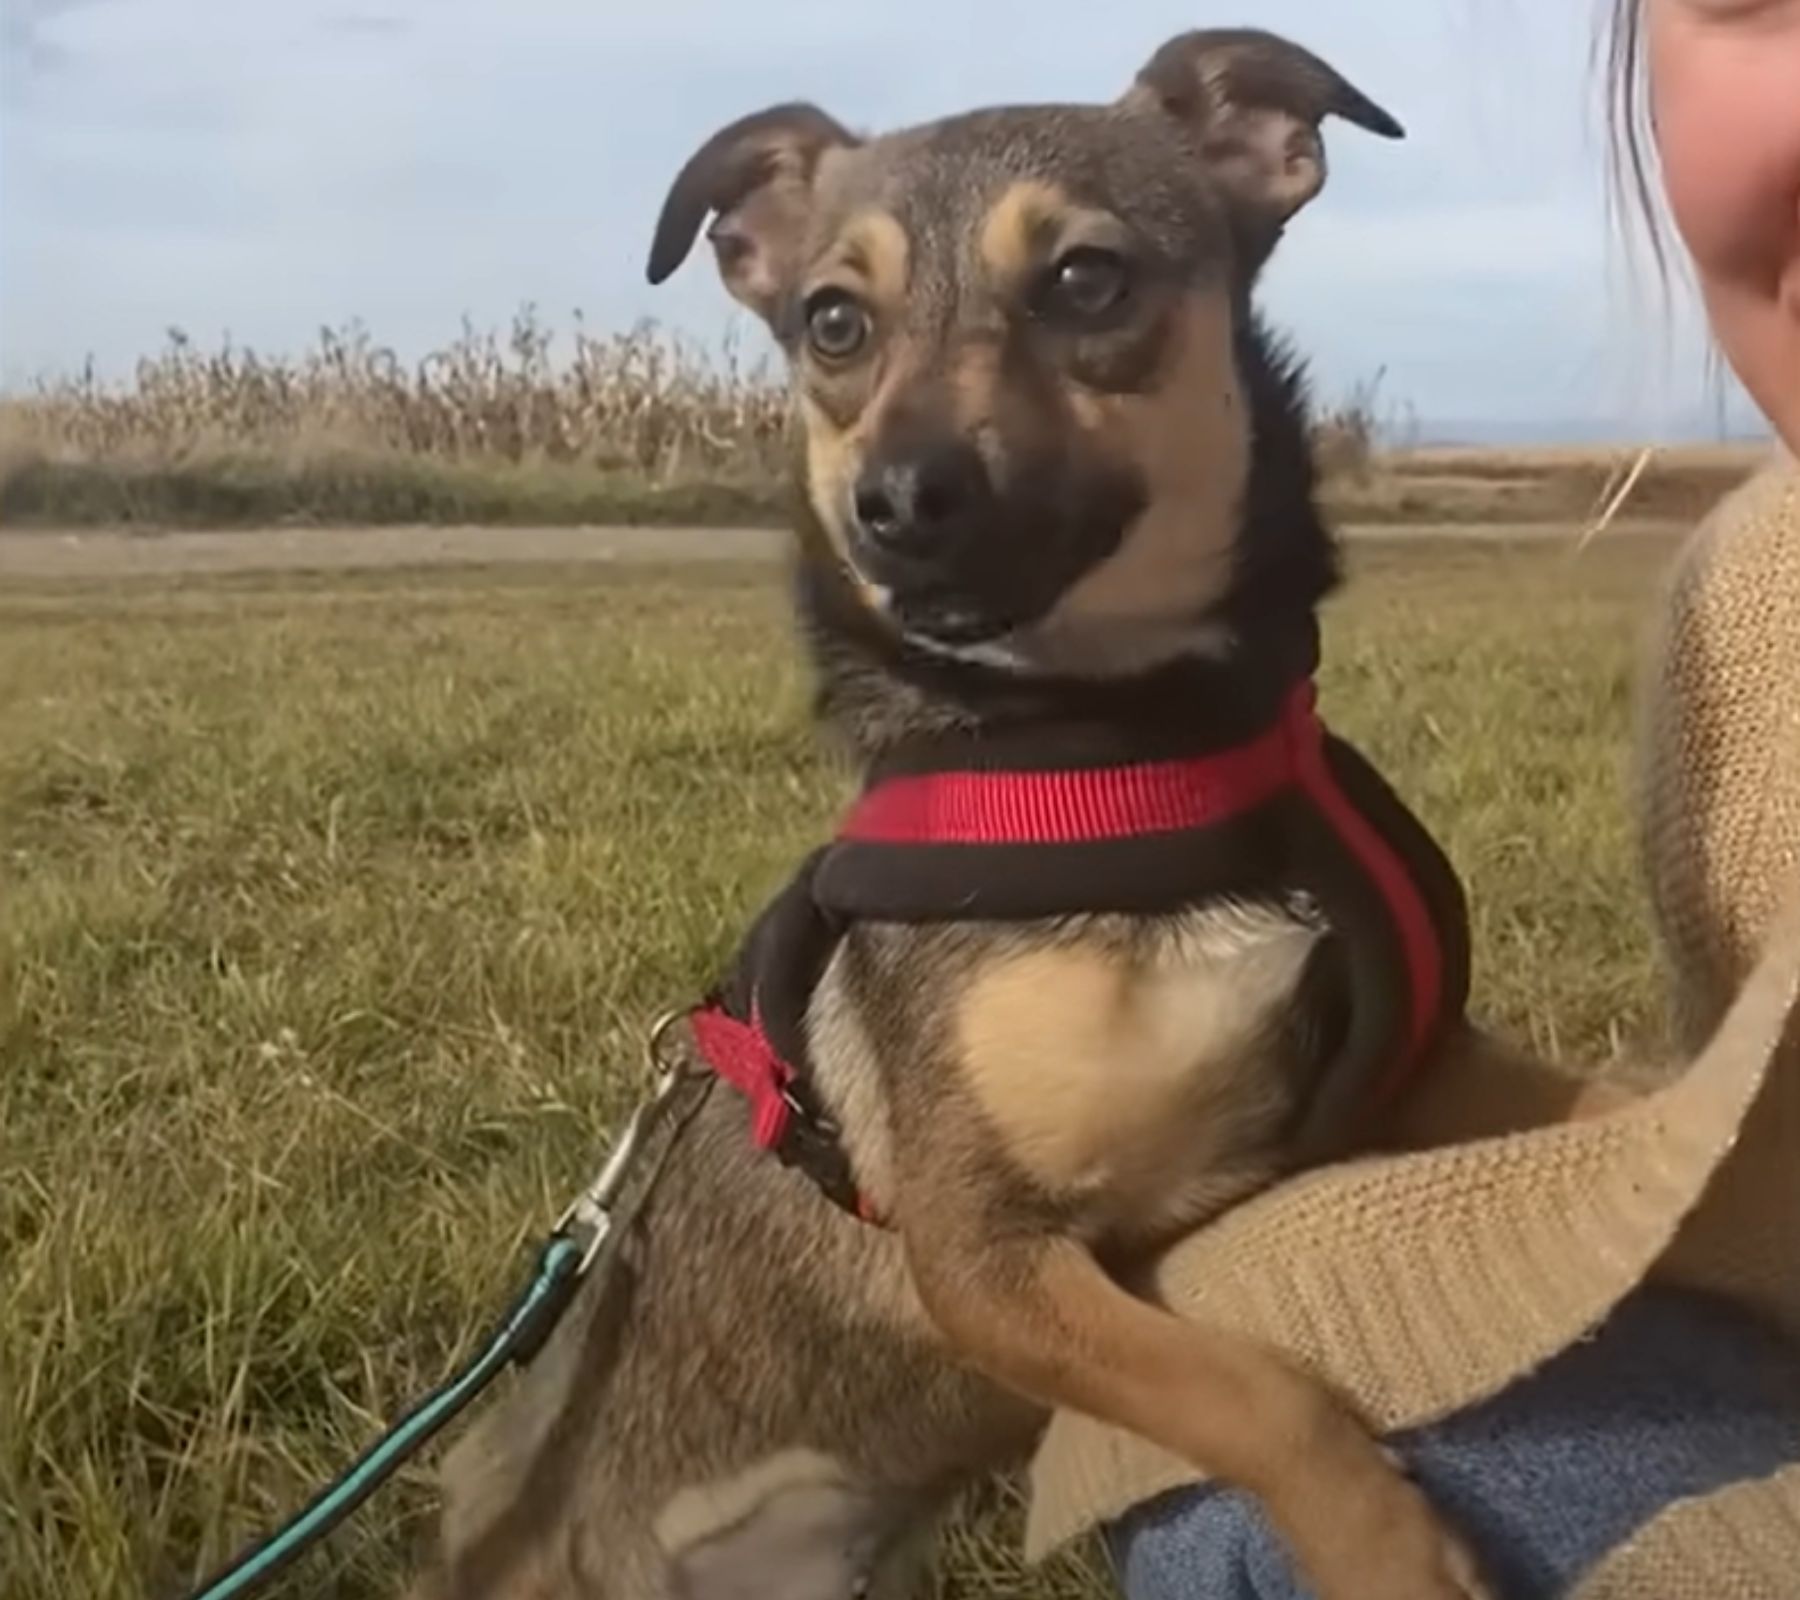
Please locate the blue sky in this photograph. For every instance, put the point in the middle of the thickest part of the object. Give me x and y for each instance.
(262, 167)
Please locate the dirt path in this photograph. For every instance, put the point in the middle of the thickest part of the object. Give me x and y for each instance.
(112, 554)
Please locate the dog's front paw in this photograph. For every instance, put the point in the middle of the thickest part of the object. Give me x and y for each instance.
(1448, 1571)
(1404, 1551)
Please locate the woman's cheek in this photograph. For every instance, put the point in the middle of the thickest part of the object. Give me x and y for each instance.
(1726, 101)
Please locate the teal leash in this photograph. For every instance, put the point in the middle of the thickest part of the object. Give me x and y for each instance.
(581, 1233)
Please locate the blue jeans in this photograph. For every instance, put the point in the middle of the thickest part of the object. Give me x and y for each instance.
(1676, 1395)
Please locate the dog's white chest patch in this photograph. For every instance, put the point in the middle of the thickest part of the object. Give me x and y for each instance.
(1107, 1073)
(795, 1525)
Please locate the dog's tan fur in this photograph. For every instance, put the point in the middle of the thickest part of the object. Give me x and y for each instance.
(1010, 237)
(1096, 1069)
(769, 1397)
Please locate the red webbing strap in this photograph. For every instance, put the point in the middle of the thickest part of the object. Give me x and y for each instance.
(746, 1058)
(741, 1054)
(1412, 917)
(1076, 806)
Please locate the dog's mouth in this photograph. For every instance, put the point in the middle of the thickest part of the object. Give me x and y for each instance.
(956, 611)
(949, 619)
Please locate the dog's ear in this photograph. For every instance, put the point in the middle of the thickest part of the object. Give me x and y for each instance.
(1252, 103)
(755, 177)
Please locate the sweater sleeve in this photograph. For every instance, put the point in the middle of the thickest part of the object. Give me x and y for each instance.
(1719, 744)
(1720, 830)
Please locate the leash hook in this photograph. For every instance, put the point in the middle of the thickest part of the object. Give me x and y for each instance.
(589, 1218)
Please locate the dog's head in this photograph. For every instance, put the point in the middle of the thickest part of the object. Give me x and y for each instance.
(1015, 339)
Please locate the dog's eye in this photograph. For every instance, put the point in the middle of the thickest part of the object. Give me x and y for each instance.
(836, 326)
(1085, 285)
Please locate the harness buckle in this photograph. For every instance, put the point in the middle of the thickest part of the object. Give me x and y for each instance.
(812, 1143)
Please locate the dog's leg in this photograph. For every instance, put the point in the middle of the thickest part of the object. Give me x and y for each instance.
(1040, 1315)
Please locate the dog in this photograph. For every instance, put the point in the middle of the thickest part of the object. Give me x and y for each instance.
(1116, 934)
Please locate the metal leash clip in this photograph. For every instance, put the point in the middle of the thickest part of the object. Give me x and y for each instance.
(590, 1217)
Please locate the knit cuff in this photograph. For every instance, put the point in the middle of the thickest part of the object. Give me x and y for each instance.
(1738, 1543)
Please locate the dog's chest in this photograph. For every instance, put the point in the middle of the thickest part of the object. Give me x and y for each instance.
(1143, 1077)
(1134, 1068)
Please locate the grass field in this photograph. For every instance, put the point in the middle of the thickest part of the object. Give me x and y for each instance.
(331, 907)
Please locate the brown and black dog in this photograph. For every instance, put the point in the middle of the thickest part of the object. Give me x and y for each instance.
(1057, 498)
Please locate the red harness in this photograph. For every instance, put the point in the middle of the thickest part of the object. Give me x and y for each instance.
(1275, 807)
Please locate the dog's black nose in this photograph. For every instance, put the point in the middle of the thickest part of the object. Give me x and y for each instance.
(914, 504)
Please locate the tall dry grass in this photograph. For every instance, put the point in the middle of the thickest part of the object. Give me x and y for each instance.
(642, 401)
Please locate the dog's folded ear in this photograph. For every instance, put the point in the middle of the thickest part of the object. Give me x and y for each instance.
(755, 177)
(1252, 102)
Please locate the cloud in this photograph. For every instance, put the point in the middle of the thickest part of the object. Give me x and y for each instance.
(360, 22)
(267, 168)
(28, 44)
(370, 25)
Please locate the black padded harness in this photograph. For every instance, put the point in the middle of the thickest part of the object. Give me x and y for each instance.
(1244, 797)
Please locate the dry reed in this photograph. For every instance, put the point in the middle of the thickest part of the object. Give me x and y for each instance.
(642, 402)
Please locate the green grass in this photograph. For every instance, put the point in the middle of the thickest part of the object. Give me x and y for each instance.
(249, 489)
(251, 486)
(331, 909)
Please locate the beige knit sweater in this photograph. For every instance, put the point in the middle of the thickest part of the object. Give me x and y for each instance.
(1420, 1283)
